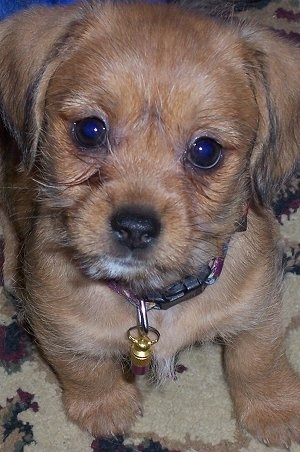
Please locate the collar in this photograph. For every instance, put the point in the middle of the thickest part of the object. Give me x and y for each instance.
(188, 287)
(179, 291)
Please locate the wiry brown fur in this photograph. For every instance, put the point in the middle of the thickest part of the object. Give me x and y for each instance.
(160, 77)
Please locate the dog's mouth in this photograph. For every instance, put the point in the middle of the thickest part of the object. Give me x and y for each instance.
(136, 282)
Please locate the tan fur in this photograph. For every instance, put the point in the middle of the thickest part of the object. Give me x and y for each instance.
(160, 77)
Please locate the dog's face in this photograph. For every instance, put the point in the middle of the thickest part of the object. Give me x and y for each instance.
(147, 134)
(148, 128)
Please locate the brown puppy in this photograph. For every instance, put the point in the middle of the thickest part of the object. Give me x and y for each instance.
(134, 140)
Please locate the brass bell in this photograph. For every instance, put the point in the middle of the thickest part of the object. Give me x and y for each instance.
(141, 351)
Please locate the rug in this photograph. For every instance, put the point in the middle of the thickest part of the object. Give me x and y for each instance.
(192, 413)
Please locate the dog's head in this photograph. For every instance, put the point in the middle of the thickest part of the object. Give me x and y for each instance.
(148, 129)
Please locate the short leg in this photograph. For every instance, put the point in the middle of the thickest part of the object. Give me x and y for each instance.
(264, 388)
(97, 395)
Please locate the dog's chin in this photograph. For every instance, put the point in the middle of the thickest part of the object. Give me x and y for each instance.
(139, 275)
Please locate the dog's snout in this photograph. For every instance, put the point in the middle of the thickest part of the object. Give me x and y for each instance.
(135, 227)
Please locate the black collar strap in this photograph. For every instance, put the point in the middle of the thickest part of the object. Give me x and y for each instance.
(189, 287)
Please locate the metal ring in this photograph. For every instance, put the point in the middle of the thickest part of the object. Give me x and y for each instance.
(136, 338)
(143, 317)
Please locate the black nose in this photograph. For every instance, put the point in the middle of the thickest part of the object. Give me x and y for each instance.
(135, 227)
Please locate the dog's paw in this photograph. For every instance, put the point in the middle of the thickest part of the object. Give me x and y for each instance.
(108, 415)
(273, 423)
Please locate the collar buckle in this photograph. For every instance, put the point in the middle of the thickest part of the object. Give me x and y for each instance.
(188, 288)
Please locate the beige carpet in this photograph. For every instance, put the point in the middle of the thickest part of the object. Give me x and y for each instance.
(192, 413)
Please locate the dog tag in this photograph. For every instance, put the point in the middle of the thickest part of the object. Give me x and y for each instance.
(141, 350)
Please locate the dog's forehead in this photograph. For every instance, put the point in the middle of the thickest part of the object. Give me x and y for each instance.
(154, 61)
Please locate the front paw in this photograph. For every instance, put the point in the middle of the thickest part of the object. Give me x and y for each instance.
(275, 422)
(111, 414)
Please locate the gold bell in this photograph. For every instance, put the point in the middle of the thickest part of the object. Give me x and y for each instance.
(141, 351)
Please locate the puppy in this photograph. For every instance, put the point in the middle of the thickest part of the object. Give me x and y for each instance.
(137, 141)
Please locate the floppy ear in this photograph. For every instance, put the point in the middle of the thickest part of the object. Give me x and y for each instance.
(274, 68)
(31, 45)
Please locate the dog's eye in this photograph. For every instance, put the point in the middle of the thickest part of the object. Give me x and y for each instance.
(204, 153)
(90, 132)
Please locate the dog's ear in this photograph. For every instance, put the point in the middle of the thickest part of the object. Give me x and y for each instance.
(31, 45)
(274, 69)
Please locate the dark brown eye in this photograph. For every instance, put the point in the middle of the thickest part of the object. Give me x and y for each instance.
(204, 153)
(90, 132)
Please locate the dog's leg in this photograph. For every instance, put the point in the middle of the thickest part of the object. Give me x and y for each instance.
(264, 388)
(97, 394)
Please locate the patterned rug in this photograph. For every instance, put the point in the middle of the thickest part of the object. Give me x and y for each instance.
(192, 413)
